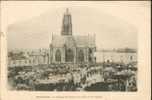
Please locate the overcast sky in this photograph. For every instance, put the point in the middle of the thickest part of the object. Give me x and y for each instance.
(115, 24)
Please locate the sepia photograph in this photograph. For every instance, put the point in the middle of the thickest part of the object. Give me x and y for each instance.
(71, 61)
(73, 46)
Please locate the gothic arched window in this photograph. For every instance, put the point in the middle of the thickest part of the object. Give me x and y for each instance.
(131, 57)
(81, 56)
(69, 55)
(90, 53)
(58, 56)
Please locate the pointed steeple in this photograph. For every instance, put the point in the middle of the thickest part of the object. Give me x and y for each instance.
(67, 24)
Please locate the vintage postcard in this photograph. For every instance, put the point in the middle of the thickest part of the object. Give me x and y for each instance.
(75, 50)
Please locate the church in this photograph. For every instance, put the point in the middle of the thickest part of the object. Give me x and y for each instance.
(69, 48)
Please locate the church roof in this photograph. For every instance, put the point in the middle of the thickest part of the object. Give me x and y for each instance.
(69, 40)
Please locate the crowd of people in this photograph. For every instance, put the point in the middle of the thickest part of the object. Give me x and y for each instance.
(73, 78)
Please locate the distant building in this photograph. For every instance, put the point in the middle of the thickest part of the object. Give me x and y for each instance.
(67, 48)
(28, 58)
(116, 56)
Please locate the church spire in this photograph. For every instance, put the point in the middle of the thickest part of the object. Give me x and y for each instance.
(67, 24)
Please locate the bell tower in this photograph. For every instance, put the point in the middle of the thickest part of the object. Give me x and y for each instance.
(67, 24)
